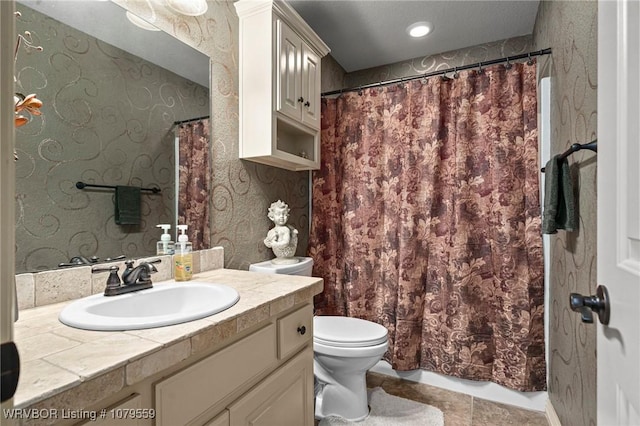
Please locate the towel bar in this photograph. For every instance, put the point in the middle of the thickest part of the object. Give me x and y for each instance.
(591, 146)
(82, 185)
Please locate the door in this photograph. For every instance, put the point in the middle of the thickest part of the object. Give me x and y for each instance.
(618, 211)
(310, 87)
(285, 398)
(289, 94)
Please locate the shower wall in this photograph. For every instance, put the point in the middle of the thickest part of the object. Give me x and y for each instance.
(570, 29)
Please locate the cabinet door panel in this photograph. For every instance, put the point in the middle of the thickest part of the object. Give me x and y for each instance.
(285, 398)
(187, 394)
(289, 73)
(128, 412)
(221, 420)
(310, 87)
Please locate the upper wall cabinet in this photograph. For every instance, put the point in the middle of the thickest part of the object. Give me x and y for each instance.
(279, 86)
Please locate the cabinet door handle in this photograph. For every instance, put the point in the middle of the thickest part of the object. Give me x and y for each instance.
(302, 329)
(307, 104)
(300, 99)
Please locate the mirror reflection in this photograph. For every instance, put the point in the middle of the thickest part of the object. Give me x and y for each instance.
(112, 107)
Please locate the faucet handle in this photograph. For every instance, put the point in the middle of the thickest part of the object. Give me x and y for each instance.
(113, 259)
(113, 281)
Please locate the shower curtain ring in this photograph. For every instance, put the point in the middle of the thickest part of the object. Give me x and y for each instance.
(508, 64)
(455, 72)
(480, 69)
(529, 61)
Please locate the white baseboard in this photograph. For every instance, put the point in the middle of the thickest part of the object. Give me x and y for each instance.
(552, 416)
(486, 390)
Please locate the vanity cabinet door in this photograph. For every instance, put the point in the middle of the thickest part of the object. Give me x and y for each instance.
(181, 398)
(285, 398)
(128, 412)
(221, 420)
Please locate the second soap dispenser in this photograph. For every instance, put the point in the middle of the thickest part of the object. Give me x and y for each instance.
(165, 245)
(183, 258)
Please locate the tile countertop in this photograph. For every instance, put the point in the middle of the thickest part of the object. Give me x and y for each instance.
(56, 358)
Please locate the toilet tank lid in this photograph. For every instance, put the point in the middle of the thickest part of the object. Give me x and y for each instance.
(348, 331)
(292, 269)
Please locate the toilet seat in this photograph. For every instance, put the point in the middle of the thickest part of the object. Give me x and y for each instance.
(346, 332)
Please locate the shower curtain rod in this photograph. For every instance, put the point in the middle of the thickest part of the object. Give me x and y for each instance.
(175, 123)
(442, 72)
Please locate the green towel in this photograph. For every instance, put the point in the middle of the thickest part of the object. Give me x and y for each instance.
(128, 205)
(559, 203)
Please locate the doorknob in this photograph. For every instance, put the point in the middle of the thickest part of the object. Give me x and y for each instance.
(586, 305)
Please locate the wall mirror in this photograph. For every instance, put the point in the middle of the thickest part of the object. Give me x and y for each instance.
(112, 94)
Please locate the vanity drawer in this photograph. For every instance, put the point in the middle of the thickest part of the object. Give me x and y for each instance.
(294, 330)
(189, 393)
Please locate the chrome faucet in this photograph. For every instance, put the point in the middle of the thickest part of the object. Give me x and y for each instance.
(133, 279)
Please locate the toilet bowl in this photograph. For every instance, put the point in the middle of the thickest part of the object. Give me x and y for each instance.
(344, 349)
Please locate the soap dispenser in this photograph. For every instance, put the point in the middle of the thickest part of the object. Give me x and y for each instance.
(183, 257)
(165, 245)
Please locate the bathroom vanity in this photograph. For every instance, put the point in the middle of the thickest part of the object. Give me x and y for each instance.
(250, 364)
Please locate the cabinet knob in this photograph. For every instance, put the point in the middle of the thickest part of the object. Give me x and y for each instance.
(300, 99)
(307, 104)
(302, 329)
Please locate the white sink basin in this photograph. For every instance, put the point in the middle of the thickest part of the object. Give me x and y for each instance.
(165, 304)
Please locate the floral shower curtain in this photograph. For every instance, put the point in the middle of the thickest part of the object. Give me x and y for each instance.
(195, 181)
(426, 219)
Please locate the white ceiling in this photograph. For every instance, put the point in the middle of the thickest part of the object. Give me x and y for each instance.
(368, 33)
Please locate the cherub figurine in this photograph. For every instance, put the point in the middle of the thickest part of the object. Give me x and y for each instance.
(282, 238)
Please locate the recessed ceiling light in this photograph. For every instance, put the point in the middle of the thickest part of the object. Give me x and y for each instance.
(419, 29)
(188, 7)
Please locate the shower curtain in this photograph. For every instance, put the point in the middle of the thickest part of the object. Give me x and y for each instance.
(195, 181)
(426, 219)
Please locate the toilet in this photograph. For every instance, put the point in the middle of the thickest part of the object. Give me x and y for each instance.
(344, 349)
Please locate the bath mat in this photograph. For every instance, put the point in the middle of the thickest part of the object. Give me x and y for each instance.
(389, 410)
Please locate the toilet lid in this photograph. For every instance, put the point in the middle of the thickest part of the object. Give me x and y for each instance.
(347, 332)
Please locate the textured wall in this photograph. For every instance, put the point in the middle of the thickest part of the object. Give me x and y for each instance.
(333, 75)
(570, 29)
(469, 55)
(107, 119)
(242, 190)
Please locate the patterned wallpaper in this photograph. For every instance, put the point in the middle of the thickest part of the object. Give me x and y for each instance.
(570, 29)
(242, 190)
(107, 119)
(469, 55)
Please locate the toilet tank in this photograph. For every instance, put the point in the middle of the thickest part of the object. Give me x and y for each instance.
(303, 267)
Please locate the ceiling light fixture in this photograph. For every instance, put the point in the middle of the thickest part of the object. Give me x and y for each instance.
(420, 29)
(140, 23)
(188, 7)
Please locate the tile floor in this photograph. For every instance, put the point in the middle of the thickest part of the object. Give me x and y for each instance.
(459, 409)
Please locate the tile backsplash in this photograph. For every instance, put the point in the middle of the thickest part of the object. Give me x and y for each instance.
(60, 285)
